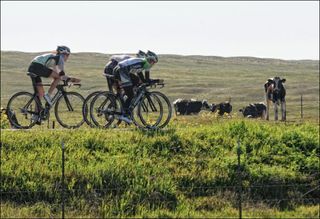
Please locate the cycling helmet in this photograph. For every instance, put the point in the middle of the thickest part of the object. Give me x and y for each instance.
(152, 56)
(141, 54)
(63, 50)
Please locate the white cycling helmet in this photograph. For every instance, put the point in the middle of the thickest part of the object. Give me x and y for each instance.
(151, 56)
(63, 50)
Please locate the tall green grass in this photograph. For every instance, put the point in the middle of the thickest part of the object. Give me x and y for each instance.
(186, 171)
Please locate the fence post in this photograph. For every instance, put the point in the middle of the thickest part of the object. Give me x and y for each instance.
(0, 170)
(240, 181)
(62, 180)
(301, 105)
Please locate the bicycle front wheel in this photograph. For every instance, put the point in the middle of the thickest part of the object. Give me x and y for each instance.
(20, 109)
(149, 112)
(68, 110)
(167, 108)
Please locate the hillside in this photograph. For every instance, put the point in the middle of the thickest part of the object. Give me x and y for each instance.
(201, 77)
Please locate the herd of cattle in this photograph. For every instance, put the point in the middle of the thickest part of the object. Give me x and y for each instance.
(189, 107)
(274, 93)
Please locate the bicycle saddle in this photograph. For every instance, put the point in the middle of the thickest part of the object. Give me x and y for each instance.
(108, 75)
(33, 75)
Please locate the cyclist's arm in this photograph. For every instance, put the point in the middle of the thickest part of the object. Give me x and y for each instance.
(141, 77)
(147, 75)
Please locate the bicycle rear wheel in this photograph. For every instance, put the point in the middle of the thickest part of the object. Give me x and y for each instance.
(20, 109)
(103, 108)
(68, 110)
(148, 113)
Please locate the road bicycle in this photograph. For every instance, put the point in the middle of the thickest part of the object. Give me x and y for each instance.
(148, 109)
(25, 109)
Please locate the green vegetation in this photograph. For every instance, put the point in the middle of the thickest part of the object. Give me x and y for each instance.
(186, 171)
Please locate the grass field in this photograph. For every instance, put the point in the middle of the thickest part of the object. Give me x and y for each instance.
(201, 77)
(187, 170)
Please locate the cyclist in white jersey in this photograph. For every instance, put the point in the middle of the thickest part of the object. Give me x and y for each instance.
(129, 73)
(113, 62)
(50, 65)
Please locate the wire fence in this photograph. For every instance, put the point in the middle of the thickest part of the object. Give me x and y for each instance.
(59, 199)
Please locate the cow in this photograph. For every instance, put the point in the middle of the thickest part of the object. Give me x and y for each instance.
(275, 92)
(188, 107)
(222, 108)
(254, 110)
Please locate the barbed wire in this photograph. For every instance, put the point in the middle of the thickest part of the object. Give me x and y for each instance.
(180, 188)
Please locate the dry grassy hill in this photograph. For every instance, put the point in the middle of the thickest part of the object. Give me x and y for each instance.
(202, 77)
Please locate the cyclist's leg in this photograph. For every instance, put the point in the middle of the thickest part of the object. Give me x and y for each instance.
(108, 69)
(38, 88)
(37, 83)
(129, 92)
(40, 71)
(55, 82)
(122, 75)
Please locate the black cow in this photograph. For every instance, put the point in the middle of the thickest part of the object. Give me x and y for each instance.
(222, 108)
(188, 107)
(254, 110)
(275, 92)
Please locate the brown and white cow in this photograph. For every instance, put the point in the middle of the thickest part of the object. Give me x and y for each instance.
(275, 92)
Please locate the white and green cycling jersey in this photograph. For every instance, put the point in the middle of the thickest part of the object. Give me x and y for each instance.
(134, 65)
(49, 60)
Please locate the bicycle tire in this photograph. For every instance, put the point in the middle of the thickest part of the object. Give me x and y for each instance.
(97, 109)
(15, 112)
(69, 116)
(168, 106)
(147, 107)
(85, 108)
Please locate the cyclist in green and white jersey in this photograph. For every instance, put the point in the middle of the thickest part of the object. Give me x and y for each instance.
(50, 65)
(129, 73)
(113, 62)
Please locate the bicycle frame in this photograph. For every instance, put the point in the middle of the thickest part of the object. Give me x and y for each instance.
(135, 101)
(60, 92)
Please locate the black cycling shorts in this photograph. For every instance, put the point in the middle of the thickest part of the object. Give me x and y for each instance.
(39, 70)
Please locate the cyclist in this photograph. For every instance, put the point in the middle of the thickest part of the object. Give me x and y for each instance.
(129, 73)
(50, 65)
(113, 62)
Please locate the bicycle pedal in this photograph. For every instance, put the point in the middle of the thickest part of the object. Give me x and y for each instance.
(125, 119)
